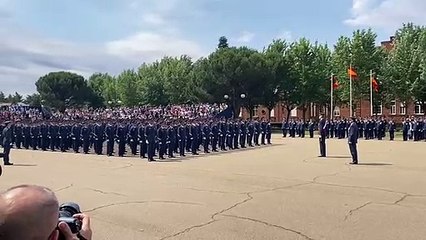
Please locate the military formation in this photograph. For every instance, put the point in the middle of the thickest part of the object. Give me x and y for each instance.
(144, 138)
(372, 128)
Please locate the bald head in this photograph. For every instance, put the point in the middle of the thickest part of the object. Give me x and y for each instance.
(28, 212)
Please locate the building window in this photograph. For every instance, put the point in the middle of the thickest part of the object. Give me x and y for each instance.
(273, 113)
(418, 109)
(378, 109)
(293, 112)
(402, 109)
(254, 113)
(393, 108)
(336, 112)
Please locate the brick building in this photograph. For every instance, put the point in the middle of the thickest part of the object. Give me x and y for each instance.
(396, 110)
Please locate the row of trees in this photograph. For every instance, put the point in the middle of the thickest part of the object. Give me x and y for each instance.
(293, 73)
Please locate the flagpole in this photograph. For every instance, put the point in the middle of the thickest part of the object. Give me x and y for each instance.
(350, 88)
(331, 102)
(371, 93)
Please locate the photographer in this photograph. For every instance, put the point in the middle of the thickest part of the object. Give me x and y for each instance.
(31, 212)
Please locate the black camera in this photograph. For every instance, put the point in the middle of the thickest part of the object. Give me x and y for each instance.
(66, 213)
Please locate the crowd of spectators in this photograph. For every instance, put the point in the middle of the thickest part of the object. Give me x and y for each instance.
(188, 111)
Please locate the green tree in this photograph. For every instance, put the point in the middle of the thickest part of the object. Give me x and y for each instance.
(128, 88)
(419, 85)
(277, 70)
(223, 42)
(2, 97)
(306, 61)
(402, 70)
(33, 100)
(364, 56)
(60, 89)
(152, 85)
(176, 74)
(232, 72)
(322, 71)
(98, 83)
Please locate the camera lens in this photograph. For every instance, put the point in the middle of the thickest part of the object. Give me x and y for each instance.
(69, 209)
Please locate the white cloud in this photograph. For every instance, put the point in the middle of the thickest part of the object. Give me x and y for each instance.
(151, 46)
(386, 14)
(245, 37)
(26, 55)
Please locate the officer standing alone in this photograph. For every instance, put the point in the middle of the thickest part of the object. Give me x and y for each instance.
(353, 140)
(322, 128)
(7, 141)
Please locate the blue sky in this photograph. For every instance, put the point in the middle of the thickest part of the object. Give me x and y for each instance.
(87, 36)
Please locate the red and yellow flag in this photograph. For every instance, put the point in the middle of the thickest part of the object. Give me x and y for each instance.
(375, 84)
(336, 83)
(352, 72)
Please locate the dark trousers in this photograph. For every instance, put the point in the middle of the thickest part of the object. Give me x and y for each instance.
(206, 145)
(121, 148)
(354, 153)
(256, 139)
(86, 145)
(214, 144)
(110, 146)
(182, 144)
(133, 146)
(311, 134)
(262, 138)
(151, 151)
(52, 143)
(6, 152)
(392, 135)
(322, 146)
(18, 142)
(405, 135)
(143, 149)
(170, 148)
(242, 140)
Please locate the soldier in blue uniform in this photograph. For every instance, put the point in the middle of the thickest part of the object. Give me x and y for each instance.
(143, 148)
(380, 127)
(18, 135)
(150, 137)
(7, 135)
(76, 137)
(322, 128)
(110, 139)
(35, 135)
(193, 135)
(236, 134)
(171, 141)
(182, 139)
(85, 138)
(268, 132)
(353, 140)
(257, 133)
(284, 127)
(133, 138)
(27, 136)
(206, 138)
(405, 129)
(243, 134)
(53, 136)
(391, 130)
(121, 139)
(250, 133)
(311, 128)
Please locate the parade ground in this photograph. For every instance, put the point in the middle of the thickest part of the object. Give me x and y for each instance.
(282, 191)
